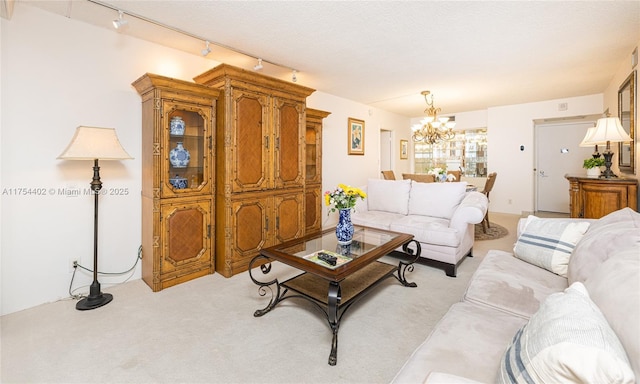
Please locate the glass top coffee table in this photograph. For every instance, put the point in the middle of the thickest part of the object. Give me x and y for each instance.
(333, 288)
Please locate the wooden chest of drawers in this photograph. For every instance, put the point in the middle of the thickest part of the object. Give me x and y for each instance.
(593, 198)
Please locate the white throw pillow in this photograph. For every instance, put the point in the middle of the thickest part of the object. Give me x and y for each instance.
(549, 243)
(436, 199)
(567, 341)
(388, 195)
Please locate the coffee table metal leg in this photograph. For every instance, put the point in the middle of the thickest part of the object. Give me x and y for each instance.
(403, 267)
(265, 287)
(334, 320)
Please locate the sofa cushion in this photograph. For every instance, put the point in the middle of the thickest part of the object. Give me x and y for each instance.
(468, 341)
(549, 243)
(388, 195)
(615, 288)
(375, 219)
(508, 284)
(567, 340)
(605, 238)
(426, 229)
(435, 199)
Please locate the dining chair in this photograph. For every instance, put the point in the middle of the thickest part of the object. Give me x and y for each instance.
(421, 178)
(457, 174)
(388, 175)
(488, 186)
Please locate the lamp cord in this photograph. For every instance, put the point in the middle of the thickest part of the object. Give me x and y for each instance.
(75, 269)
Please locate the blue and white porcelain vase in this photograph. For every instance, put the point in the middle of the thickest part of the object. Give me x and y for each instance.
(441, 178)
(179, 156)
(178, 182)
(344, 229)
(176, 126)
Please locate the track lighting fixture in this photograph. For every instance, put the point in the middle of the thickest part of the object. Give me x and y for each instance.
(206, 50)
(119, 22)
(258, 66)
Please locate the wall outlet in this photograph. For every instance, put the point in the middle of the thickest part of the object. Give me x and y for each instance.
(73, 263)
(510, 202)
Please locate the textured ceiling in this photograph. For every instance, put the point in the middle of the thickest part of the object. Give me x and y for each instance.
(471, 55)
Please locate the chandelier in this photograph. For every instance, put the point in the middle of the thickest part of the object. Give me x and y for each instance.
(432, 128)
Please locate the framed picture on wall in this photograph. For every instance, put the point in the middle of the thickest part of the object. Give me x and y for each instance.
(404, 149)
(356, 136)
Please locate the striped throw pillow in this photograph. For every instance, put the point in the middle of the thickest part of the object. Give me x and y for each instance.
(567, 341)
(549, 243)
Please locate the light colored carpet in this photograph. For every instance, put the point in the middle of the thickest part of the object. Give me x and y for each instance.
(204, 331)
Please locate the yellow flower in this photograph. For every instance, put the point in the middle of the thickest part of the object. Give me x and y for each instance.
(343, 197)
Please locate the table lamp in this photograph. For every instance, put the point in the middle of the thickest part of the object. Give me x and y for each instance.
(92, 143)
(586, 142)
(608, 130)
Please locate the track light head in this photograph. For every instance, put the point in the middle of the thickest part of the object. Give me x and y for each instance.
(119, 22)
(258, 66)
(206, 50)
(294, 78)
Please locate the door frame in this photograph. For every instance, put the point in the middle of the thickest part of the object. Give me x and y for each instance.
(383, 136)
(586, 119)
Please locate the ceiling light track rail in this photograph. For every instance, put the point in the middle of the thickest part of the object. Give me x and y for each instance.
(205, 40)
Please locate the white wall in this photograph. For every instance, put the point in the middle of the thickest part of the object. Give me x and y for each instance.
(508, 128)
(611, 101)
(337, 165)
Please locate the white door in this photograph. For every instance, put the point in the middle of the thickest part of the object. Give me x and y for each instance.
(558, 153)
(385, 151)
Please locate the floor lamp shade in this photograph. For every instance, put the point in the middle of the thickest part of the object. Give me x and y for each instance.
(89, 143)
(92, 143)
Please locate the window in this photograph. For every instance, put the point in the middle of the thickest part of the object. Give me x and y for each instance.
(466, 151)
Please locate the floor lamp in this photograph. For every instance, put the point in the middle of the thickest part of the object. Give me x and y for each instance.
(92, 143)
(608, 130)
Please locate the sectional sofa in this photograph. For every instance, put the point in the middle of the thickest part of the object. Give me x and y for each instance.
(564, 306)
(440, 216)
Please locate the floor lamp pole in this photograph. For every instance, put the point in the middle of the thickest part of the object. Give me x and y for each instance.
(96, 298)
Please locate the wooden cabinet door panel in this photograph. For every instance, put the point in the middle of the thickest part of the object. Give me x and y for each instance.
(289, 133)
(602, 199)
(185, 236)
(289, 213)
(251, 142)
(250, 226)
(313, 209)
(197, 140)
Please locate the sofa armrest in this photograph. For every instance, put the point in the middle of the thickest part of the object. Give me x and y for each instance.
(470, 211)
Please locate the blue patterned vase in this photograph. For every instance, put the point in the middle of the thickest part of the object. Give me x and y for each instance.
(441, 178)
(179, 157)
(344, 229)
(177, 126)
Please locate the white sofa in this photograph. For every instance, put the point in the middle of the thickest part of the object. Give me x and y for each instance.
(543, 315)
(440, 216)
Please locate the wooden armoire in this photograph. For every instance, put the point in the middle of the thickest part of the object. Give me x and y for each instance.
(313, 170)
(177, 196)
(260, 163)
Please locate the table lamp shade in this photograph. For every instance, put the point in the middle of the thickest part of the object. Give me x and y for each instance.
(587, 141)
(609, 129)
(90, 143)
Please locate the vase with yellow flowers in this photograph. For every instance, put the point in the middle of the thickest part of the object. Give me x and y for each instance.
(343, 199)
